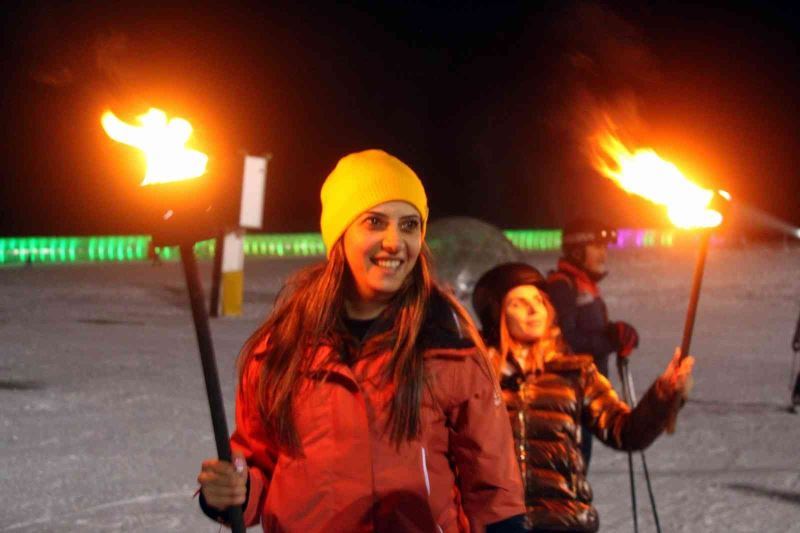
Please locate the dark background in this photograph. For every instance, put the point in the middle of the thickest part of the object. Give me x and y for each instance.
(488, 102)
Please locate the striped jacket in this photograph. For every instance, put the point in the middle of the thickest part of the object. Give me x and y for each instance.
(546, 409)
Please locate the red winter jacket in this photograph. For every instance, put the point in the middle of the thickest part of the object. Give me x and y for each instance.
(352, 478)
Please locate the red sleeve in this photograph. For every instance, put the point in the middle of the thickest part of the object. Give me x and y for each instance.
(251, 439)
(482, 447)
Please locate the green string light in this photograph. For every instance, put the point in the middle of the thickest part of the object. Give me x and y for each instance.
(534, 240)
(133, 248)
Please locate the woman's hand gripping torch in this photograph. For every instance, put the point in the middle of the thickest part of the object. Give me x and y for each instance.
(719, 203)
(689, 206)
(182, 201)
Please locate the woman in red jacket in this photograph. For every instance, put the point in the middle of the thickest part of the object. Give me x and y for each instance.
(549, 392)
(365, 401)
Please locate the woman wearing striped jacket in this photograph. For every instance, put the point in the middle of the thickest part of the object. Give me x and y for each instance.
(548, 392)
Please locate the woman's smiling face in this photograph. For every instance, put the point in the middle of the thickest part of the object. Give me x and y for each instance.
(526, 313)
(382, 246)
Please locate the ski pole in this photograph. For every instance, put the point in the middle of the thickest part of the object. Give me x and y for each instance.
(629, 395)
(622, 365)
(634, 401)
(794, 380)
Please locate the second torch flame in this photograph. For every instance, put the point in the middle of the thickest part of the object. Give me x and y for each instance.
(163, 143)
(645, 174)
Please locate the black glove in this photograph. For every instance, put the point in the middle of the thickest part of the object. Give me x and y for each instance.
(623, 337)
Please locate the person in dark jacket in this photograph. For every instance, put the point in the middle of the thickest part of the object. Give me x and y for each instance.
(549, 392)
(582, 315)
(366, 401)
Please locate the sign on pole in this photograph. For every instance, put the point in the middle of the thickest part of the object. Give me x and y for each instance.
(254, 181)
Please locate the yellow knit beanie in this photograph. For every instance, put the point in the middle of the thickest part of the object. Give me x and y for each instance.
(362, 180)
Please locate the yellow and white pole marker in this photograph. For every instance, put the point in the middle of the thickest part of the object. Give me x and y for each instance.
(251, 214)
(232, 273)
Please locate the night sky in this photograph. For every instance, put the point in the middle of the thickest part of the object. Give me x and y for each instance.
(488, 102)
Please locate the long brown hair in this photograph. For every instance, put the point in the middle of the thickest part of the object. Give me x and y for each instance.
(309, 312)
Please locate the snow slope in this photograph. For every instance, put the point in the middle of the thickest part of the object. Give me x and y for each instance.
(104, 421)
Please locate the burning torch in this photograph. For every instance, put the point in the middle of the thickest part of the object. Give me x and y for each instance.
(176, 186)
(689, 206)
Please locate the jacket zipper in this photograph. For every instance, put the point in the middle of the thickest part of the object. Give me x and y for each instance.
(424, 454)
(425, 470)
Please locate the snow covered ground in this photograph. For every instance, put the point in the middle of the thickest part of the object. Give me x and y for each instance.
(104, 421)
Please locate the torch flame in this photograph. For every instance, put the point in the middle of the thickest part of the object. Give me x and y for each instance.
(645, 174)
(163, 143)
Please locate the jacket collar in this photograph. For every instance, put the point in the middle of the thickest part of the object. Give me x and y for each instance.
(440, 329)
(583, 282)
(440, 336)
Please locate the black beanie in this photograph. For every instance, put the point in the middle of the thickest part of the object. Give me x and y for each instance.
(492, 287)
